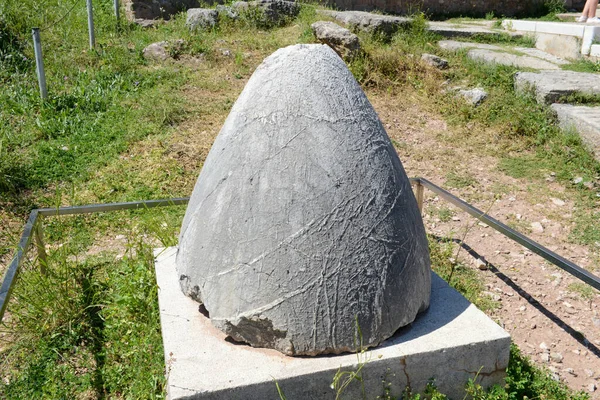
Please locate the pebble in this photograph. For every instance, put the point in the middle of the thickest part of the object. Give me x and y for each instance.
(481, 263)
(558, 202)
(577, 180)
(543, 346)
(522, 308)
(556, 357)
(537, 227)
(589, 373)
(545, 357)
(570, 371)
(591, 387)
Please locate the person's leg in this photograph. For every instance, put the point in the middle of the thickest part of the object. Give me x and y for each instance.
(593, 6)
(584, 13)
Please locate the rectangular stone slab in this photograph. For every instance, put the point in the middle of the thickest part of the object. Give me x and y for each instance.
(451, 342)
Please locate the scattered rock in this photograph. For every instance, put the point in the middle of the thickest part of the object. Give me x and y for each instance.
(556, 357)
(148, 23)
(537, 227)
(543, 346)
(202, 18)
(274, 12)
(473, 96)
(570, 371)
(589, 373)
(577, 180)
(557, 202)
(481, 263)
(434, 61)
(341, 40)
(591, 387)
(550, 86)
(227, 11)
(368, 22)
(162, 51)
(545, 357)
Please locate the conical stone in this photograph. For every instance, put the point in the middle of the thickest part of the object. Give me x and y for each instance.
(302, 225)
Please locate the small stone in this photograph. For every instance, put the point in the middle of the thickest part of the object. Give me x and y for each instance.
(522, 308)
(589, 373)
(543, 346)
(558, 202)
(533, 326)
(591, 387)
(201, 18)
(578, 180)
(545, 357)
(589, 185)
(473, 96)
(455, 219)
(556, 357)
(570, 371)
(162, 51)
(434, 61)
(341, 40)
(65, 148)
(537, 227)
(481, 263)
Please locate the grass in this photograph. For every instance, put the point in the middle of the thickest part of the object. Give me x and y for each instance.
(117, 127)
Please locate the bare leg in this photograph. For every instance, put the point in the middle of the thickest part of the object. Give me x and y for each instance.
(593, 5)
(586, 8)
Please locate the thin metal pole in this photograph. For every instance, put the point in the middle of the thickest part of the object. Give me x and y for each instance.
(117, 10)
(39, 62)
(90, 13)
(39, 242)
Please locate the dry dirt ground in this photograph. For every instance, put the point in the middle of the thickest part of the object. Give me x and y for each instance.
(551, 316)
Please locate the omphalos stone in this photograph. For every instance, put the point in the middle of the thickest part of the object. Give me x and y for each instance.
(302, 224)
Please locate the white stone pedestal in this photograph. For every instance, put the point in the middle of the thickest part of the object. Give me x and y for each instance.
(450, 343)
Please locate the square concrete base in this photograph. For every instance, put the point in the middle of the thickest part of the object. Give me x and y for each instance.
(450, 343)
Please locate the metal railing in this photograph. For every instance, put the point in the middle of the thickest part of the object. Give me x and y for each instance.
(34, 230)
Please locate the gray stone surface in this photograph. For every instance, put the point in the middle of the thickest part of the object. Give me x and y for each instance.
(156, 9)
(454, 45)
(550, 86)
(162, 51)
(448, 29)
(341, 40)
(503, 58)
(303, 217)
(585, 120)
(202, 18)
(451, 342)
(474, 96)
(563, 46)
(541, 54)
(275, 12)
(434, 61)
(229, 11)
(368, 22)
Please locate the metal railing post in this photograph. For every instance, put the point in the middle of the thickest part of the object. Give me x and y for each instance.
(90, 13)
(41, 248)
(39, 62)
(420, 196)
(117, 14)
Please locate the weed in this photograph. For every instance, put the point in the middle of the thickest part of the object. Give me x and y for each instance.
(459, 180)
(585, 291)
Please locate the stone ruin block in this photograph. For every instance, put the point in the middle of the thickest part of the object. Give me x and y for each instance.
(137, 10)
(302, 224)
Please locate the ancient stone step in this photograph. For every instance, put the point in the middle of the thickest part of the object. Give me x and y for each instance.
(448, 29)
(515, 60)
(341, 40)
(454, 45)
(585, 120)
(551, 86)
